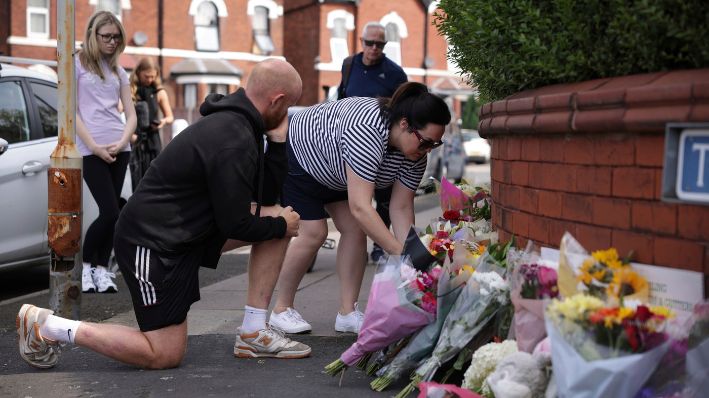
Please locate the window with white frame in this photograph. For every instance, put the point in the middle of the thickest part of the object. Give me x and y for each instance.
(113, 6)
(190, 96)
(338, 41)
(206, 30)
(262, 31)
(393, 46)
(38, 18)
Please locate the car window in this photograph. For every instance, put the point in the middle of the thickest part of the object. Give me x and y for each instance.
(45, 97)
(14, 125)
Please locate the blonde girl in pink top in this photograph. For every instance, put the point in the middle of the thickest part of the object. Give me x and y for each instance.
(103, 138)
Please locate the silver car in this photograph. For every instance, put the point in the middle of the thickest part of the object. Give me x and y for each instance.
(28, 135)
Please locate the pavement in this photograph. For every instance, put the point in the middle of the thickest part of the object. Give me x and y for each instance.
(209, 368)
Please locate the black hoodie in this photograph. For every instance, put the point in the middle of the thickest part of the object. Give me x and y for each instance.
(198, 191)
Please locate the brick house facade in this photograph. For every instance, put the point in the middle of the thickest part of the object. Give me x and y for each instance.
(206, 46)
(202, 46)
(322, 33)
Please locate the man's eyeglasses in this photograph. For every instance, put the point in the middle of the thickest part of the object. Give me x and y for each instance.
(108, 38)
(371, 43)
(425, 143)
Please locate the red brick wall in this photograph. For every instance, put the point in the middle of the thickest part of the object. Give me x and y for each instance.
(303, 24)
(587, 158)
(5, 8)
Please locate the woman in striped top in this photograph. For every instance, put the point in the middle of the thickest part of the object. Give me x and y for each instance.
(338, 153)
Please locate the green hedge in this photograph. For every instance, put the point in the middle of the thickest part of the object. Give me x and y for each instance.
(505, 46)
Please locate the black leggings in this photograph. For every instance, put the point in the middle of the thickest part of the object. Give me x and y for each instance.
(105, 181)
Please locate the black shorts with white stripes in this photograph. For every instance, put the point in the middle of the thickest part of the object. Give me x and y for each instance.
(162, 287)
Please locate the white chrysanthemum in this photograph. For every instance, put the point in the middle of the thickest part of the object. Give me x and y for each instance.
(485, 359)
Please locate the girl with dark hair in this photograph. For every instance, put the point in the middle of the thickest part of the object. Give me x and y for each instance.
(338, 153)
(103, 138)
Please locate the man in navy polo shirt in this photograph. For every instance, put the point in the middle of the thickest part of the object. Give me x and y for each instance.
(371, 74)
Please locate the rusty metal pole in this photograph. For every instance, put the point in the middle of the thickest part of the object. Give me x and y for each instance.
(64, 180)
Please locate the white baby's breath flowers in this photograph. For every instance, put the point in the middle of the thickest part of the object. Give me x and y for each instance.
(485, 359)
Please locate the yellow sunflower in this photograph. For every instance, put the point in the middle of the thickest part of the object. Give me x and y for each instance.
(608, 258)
(626, 282)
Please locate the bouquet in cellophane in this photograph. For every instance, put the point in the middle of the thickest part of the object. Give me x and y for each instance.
(484, 294)
(601, 350)
(450, 284)
(464, 202)
(401, 301)
(602, 274)
(468, 207)
(439, 241)
(533, 282)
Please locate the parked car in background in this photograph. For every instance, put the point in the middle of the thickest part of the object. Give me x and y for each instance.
(28, 135)
(477, 148)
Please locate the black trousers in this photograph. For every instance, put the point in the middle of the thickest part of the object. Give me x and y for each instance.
(105, 182)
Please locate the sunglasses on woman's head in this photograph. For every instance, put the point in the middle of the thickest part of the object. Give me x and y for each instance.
(371, 43)
(425, 143)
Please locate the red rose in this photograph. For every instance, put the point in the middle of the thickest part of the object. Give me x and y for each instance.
(452, 215)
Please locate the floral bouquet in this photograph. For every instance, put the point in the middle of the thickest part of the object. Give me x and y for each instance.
(438, 242)
(483, 295)
(533, 281)
(698, 354)
(401, 301)
(421, 344)
(604, 351)
(464, 202)
(602, 274)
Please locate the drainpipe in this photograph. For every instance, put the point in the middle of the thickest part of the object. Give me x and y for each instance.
(425, 46)
(64, 180)
(161, 9)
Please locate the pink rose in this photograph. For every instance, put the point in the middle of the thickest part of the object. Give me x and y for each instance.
(435, 273)
(546, 276)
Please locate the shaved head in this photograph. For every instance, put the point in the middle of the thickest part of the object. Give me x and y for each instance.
(272, 77)
(273, 86)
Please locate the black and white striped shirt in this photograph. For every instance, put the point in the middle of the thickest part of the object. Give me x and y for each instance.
(351, 131)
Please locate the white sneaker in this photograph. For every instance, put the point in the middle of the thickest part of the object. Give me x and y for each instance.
(34, 349)
(103, 279)
(289, 321)
(87, 280)
(268, 343)
(351, 322)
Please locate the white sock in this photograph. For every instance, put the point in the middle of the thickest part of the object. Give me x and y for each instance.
(59, 329)
(254, 320)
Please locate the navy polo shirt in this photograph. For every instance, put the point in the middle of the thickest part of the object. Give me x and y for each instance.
(380, 80)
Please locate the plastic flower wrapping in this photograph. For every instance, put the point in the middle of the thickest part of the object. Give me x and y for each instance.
(533, 282)
(396, 308)
(464, 202)
(438, 242)
(602, 274)
(683, 371)
(484, 294)
(450, 284)
(485, 360)
(602, 350)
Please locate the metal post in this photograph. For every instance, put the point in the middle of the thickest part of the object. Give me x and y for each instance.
(64, 180)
